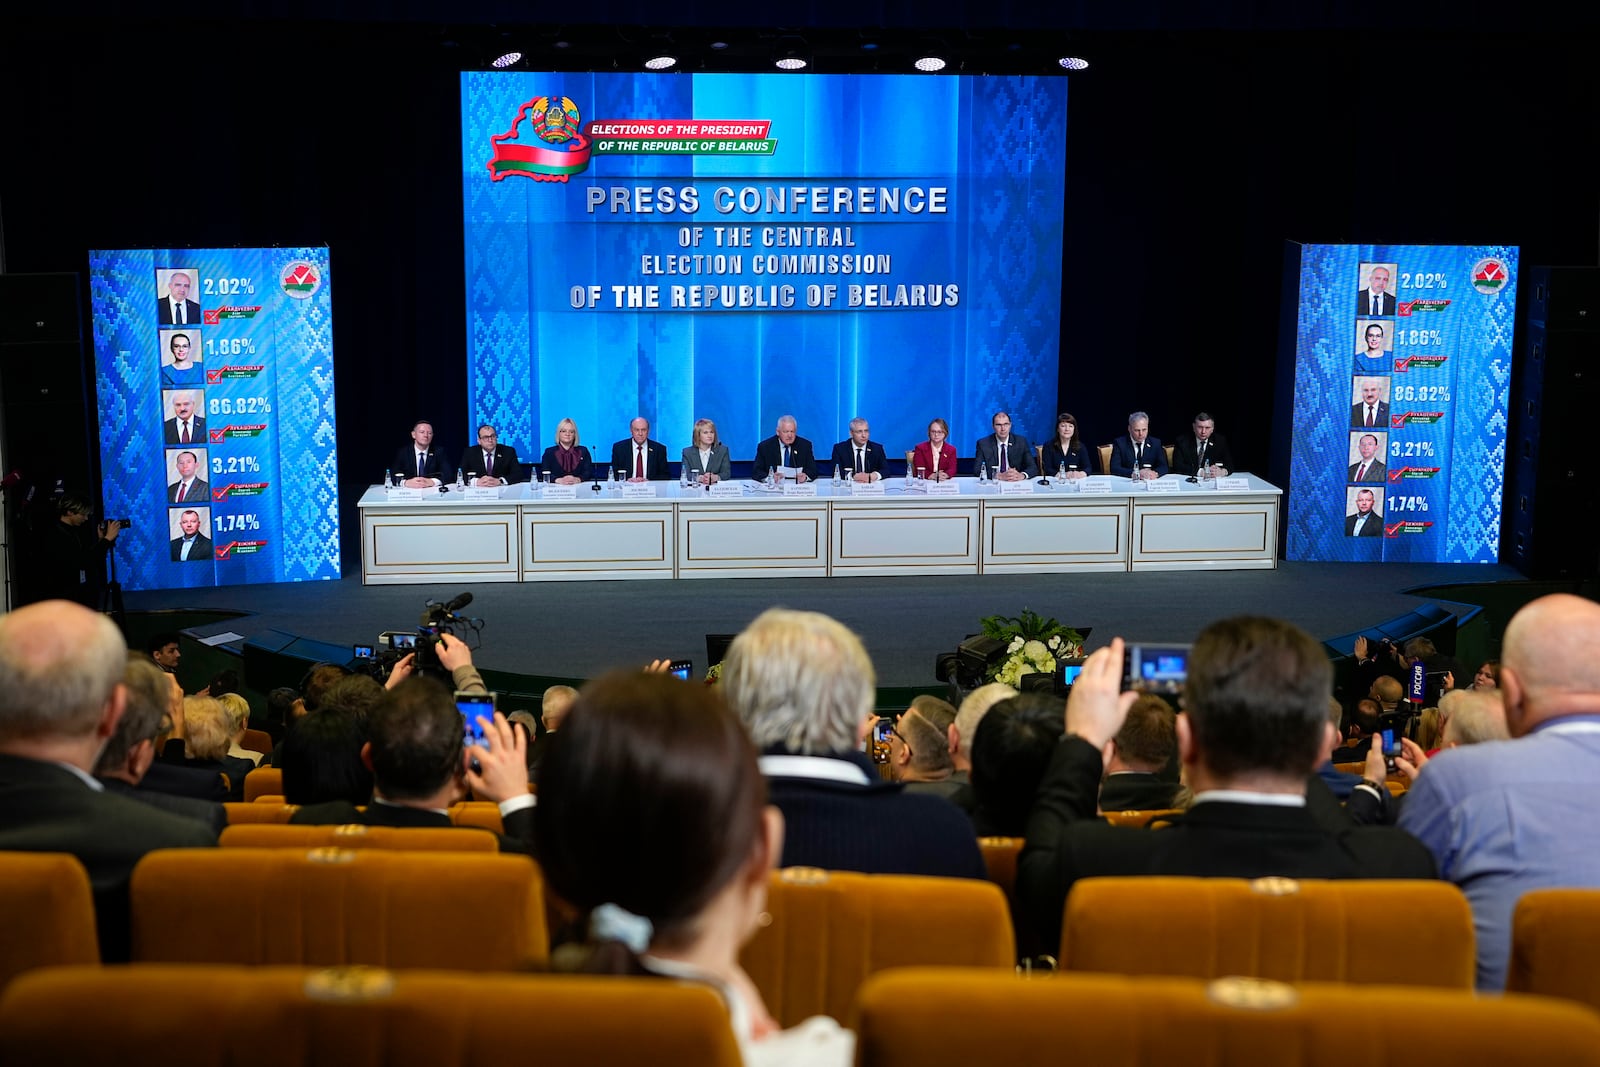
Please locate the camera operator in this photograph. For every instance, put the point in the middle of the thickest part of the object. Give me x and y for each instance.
(454, 656)
(74, 555)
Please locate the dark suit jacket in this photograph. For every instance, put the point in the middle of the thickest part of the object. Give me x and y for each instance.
(199, 492)
(1136, 791)
(177, 780)
(207, 812)
(1186, 458)
(191, 311)
(1079, 457)
(1154, 456)
(1373, 527)
(506, 465)
(517, 838)
(47, 808)
(1364, 303)
(197, 432)
(404, 464)
(828, 824)
(1375, 473)
(655, 460)
(1358, 416)
(1217, 839)
(201, 548)
(1019, 454)
(844, 457)
(769, 454)
(584, 470)
(717, 464)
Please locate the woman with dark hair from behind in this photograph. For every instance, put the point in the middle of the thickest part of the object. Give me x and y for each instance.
(1010, 751)
(321, 759)
(653, 821)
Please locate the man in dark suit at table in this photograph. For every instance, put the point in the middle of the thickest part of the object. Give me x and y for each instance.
(61, 698)
(1371, 410)
(491, 462)
(192, 544)
(1365, 521)
(176, 309)
(1254, 727)
(419, 465)
(785, 450)
(1138, 452)
(1376, 299)
(1206, 448)
(185, 427)
(860, 455)
(1008, 455)
(642, 459)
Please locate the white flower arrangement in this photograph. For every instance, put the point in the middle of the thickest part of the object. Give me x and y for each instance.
(1033, 644)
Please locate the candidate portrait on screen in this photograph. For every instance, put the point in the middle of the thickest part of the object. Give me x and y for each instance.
(186, 477)
(1363, 514)
(185, 417)
(180, 358)
(190, 533)
(1376, 294)
(1374, 344)
(175, 303)
(1369, 402)
(1365, 458)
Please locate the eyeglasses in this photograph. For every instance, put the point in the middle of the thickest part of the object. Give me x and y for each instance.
(896, 732)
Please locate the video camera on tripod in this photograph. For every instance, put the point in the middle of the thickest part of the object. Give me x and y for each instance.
(423, 642)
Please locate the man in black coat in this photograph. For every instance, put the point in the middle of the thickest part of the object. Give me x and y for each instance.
(60, 701)
(638, 457)
(1255, 726)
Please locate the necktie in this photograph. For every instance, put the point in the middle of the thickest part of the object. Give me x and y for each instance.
(183, 436)
(1005, 454)
(1361, 472)
(786, 462)
(1200, 461)
(1377, 301)
(1138, 453)
(861, 463)
(183, 492)
(638, 461)
(177, 313)
(1369, 414)
(488, 464)
(421, 459)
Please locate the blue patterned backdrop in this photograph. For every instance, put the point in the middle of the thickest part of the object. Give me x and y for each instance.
(997, 144)
(265, 380)
(1441, 500)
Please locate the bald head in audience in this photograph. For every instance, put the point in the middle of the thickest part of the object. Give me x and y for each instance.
(1549, 668)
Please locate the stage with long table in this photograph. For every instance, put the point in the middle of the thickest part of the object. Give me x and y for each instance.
(663, 530)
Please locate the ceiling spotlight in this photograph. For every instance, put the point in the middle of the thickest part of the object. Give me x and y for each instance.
(506, 60)
(791, 62)
(929, 64)
(718, 46)
(661, 63)
(1073, 63)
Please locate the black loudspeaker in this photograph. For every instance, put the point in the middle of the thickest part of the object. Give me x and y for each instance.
(1549, 501)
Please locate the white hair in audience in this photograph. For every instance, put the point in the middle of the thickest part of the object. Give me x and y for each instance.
(973, 709)
(59, 663)
(801, 680)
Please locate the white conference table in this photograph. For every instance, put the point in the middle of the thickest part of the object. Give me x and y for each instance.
(664, 530)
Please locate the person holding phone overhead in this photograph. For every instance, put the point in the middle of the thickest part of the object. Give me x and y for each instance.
(706, 460)
(935, 457)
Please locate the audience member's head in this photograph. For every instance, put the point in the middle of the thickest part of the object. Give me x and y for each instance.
(316, 683)
(651, 800)
(355, 693)
(206, 723)
(164, 650)
(415, 743)
(1488, 676)
(1387, 691)
(923, 754)
(128, 753)
(1420, 648)
(1364, 723)
(60, 682)
(1472, 717)
(1147, 740)
(526, 720)
(554, 704)
(224, 681)
(1549, 669)
(973, 708)
(800, 681)
(1256, 706)
(236, 714)
(1428, 730)
(280, 705)
(320, 758)
(1011, 748)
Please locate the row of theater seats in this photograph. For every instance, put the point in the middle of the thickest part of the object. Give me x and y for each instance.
(372, 896)
(212, 1016)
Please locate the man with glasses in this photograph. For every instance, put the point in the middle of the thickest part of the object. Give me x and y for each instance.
(919, 750)
(491, 462)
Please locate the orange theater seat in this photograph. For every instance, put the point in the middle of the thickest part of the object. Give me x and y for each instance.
(1277, 928)
(256, 741)
(48, 913)
(1140, 818)
(329, 907)
(831, 929)
(258, 813)
(1555, 945)
(355, 835)
(263, 781)
(482, 813)
(1000, 857)
(949, 1017)
(213, 1016)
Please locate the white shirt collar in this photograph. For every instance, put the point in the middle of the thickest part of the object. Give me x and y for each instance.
(88, 779)
(1246, 796)
(820, 768)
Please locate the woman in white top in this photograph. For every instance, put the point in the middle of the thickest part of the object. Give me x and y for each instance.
(653, 819)
(707, 455)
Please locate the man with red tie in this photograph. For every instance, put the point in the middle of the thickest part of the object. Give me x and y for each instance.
(639, 458)
(185, 427)
(1371, 410)
(190, 488)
